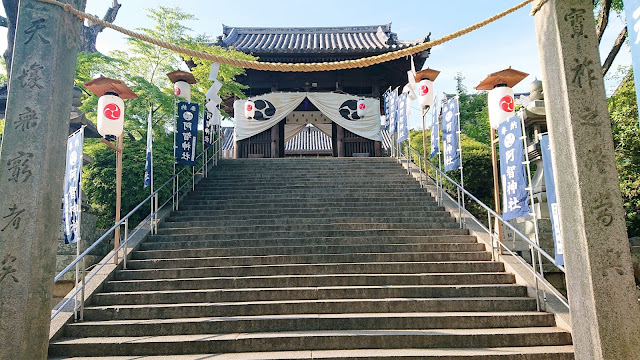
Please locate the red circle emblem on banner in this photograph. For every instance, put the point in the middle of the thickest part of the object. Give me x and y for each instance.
(507, 104)
(249, 107)
(111, 112)
(178, 91)
(362, 106)
(424, 90)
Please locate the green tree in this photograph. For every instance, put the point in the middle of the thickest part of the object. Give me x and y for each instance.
(143, 68)
(474, 114)
(623, 109)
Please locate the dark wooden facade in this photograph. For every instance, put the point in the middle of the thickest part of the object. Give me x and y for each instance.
(306, 45)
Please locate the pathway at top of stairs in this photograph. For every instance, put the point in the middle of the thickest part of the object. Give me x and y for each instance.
(312, 259)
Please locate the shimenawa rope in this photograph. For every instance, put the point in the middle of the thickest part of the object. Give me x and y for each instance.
(291, 67)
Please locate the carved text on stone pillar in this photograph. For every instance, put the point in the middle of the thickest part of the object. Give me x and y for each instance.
(14, 217)
(36, 25)
(8, 270)
(31, 76)
(583, 72)
(20, 167)
(26, 119)
(603, 210)
(576, 18)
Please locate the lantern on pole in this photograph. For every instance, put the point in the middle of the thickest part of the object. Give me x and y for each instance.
(501, 104)
(112, 94)
(361, 108)
(182, 82)
(249, 109)
(501, 98)
(426, 93)
(111, 122)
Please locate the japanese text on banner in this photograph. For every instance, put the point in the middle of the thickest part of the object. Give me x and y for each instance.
(450, 138)
(187, 133)
(402, 118)
(512, 170)
(71, 201)
(435, 131)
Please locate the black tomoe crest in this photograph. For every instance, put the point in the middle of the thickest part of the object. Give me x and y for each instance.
(349, 110)
(264, 110)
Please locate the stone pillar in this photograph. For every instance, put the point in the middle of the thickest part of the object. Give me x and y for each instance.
(32, 172)
(605, 314)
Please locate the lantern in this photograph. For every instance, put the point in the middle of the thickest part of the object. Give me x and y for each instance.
(362, 108)
(110, 115)
(425, 93)
(182, 89)
(182, 81)
(501, 105)
(501, 99)
(111, 104)
(249, 109)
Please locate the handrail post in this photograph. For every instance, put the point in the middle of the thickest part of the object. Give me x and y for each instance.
(493, 247)
(535, 278)
(420, 170)
(176, 194)
(459, 207)
(84, 283)
(124, 245)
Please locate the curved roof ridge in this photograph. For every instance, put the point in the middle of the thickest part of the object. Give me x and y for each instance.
(316, 29)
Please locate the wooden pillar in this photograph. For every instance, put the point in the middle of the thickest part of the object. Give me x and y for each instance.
(275, 141)
(32, 164)
(340, 140)
(378, 147)
(605, 314)
(236, 150)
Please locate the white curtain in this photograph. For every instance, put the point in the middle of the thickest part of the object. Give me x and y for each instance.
(291, 130)
(325, 129)
(331, 104)
(339, 108)
(283, 103)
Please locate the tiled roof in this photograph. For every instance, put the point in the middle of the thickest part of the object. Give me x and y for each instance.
(309, 140)
(348, 39)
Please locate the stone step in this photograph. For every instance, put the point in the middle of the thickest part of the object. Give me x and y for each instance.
(306, 293)
(349, 206)
(198, 227)
(202, 261)
(311, 220)
(300, 191)
(186, 279)
(177, 242)
(561, 352)
(304, 340)
(204, 234)
(303, 250)
(352, 199)
(310, 322)
(405, 267)
(283, 212)
(289, 307)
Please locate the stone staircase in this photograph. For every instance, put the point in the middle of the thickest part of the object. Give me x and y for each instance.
(312, 258)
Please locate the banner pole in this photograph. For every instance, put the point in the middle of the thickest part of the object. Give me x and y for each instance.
(462, 222)
(534, 214)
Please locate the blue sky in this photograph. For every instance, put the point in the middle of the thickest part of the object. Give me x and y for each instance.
(510, 41)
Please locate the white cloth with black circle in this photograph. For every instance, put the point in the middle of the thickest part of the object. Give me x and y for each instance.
(340, 108)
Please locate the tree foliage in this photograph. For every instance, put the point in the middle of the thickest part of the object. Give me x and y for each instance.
(474, 114)
(623, 109)
(143, 68)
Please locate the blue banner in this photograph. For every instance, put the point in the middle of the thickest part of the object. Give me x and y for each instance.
(209, 130)
(187, 133)
(632, 9)
(148, 166)
(550, 185)
(512, 170)
(450, 136)
(393, 111)
(402, 118)
(435, 130)
(71, 202)
(387, 103)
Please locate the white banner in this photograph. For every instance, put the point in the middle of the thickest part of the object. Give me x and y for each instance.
(340, 108)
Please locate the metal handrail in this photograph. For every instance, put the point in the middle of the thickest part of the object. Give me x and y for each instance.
(216, 145)
(490, 212)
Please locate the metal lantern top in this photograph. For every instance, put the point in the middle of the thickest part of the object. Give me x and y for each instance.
(103, 85)
(509, 77)
(429, 74)
(180, 75)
